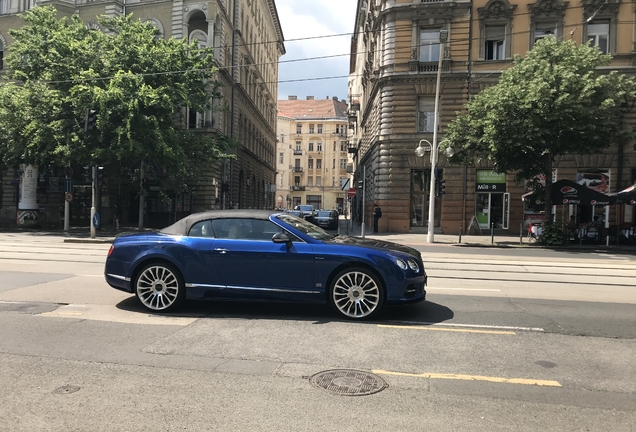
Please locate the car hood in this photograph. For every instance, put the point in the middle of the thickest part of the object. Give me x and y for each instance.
(377, 244)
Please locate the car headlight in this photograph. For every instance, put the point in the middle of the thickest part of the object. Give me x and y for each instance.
(401, 263)
(413, 265)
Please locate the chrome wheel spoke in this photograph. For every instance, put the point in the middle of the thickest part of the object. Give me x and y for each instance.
(356, 294)
(157, 288)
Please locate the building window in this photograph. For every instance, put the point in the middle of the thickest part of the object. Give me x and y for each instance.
(299, 128)
(429, 45)
(343, 146)
(298, 143)
(598, 34)
(426, 114)
(544, 30)
(495, 21)
(311, 146)
(281, 157)
(495, 43)
(343, 164)
(319, 128)
(319, 146)
(310, 181)
(318, 181)
(296, 180)
(311, 128)
(318, 163)
(310, 164)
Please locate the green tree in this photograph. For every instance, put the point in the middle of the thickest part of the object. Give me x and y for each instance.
(549, 103)
(139, 83)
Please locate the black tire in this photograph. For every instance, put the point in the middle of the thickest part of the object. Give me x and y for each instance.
(159, 287)
(356, 293)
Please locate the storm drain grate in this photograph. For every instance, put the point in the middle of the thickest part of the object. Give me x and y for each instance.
(67, 389)
(348, 382)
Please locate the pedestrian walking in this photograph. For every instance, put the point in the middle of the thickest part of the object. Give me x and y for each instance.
(377, 214)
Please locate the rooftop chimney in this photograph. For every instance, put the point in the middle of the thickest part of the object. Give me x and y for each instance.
(292, 97)
(310, 98)
(335, 98)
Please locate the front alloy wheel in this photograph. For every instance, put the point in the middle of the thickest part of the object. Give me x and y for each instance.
(356, 293)
(159, 288)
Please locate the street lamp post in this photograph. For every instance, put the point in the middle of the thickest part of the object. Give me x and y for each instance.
(443, 36)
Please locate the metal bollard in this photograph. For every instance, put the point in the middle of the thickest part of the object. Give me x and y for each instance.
(521, 233)
(460, 234)
(492, 233)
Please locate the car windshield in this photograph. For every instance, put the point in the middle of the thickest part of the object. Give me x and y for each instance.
(305, 227)
(324, 214)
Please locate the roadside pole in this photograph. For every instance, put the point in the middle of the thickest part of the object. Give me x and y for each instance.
(93, 199)
(364, 186)
(141, 195)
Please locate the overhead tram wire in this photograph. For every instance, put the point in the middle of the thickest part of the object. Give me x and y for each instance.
(454, 42)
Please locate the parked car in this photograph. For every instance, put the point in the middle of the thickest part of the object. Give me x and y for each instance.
(326, 219)
(308, 212)
(296, 213)
(263, 256)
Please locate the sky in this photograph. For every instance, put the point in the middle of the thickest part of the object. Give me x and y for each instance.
(315, 19)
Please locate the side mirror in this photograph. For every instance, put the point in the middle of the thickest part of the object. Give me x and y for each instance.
(282, 238)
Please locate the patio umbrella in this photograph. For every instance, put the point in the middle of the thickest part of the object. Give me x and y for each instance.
(569, 192)
(626, 196)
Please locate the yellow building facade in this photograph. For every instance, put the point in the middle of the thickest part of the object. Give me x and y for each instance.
(312, 153)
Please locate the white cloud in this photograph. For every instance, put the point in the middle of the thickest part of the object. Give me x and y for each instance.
(315, 19)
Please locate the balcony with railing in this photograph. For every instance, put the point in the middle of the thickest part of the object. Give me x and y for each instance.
(298, 152)
(297, 169)
(298, 188)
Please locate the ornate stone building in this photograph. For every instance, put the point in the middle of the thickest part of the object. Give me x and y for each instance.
(395, 55)
(248, 42)
(312, 152)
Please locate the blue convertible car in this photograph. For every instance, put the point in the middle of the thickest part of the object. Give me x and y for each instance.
(264, 256)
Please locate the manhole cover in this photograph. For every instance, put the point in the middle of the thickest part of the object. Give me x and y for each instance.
(348, 382)
(67, 389)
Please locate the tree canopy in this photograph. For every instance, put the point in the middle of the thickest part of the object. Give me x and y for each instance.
(139, 83)
(552, 102)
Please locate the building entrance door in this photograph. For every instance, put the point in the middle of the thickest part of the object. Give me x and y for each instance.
(492, 208)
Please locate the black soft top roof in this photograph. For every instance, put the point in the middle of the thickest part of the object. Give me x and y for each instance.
(182, 227)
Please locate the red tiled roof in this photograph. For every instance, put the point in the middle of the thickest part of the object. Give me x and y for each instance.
(325, 108)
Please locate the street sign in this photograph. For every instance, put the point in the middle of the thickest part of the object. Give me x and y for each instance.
(68, 197)
(96, 220)
(351, 192)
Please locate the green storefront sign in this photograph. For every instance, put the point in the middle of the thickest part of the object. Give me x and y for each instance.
(490, 181)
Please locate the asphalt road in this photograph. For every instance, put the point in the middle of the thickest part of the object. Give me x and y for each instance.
(503, 343)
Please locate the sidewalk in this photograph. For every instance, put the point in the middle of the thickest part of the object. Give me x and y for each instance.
(475, 240)
(107, 234)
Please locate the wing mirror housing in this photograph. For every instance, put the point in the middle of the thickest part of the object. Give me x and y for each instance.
(282, 238)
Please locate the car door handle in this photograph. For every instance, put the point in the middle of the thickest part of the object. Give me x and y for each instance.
(221, 251)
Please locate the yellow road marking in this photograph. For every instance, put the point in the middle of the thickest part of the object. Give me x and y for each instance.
(524, 381)
(500, 332)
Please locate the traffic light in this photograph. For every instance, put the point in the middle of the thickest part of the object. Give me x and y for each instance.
(440, 186)
(360, 184)
(88, 173)
(100, 174)
(145, 184)
(90, 122)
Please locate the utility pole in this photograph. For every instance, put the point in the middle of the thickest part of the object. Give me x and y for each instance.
(141, 194)
(93, 198)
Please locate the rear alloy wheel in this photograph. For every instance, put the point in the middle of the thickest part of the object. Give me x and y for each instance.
(159, 288)
(356, 293)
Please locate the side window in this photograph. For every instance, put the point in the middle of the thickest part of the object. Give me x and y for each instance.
(245, 229)
(201, 229)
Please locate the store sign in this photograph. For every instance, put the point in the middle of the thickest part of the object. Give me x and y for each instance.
(490, 181)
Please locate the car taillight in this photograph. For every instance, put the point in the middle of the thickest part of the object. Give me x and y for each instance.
(110, 251)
